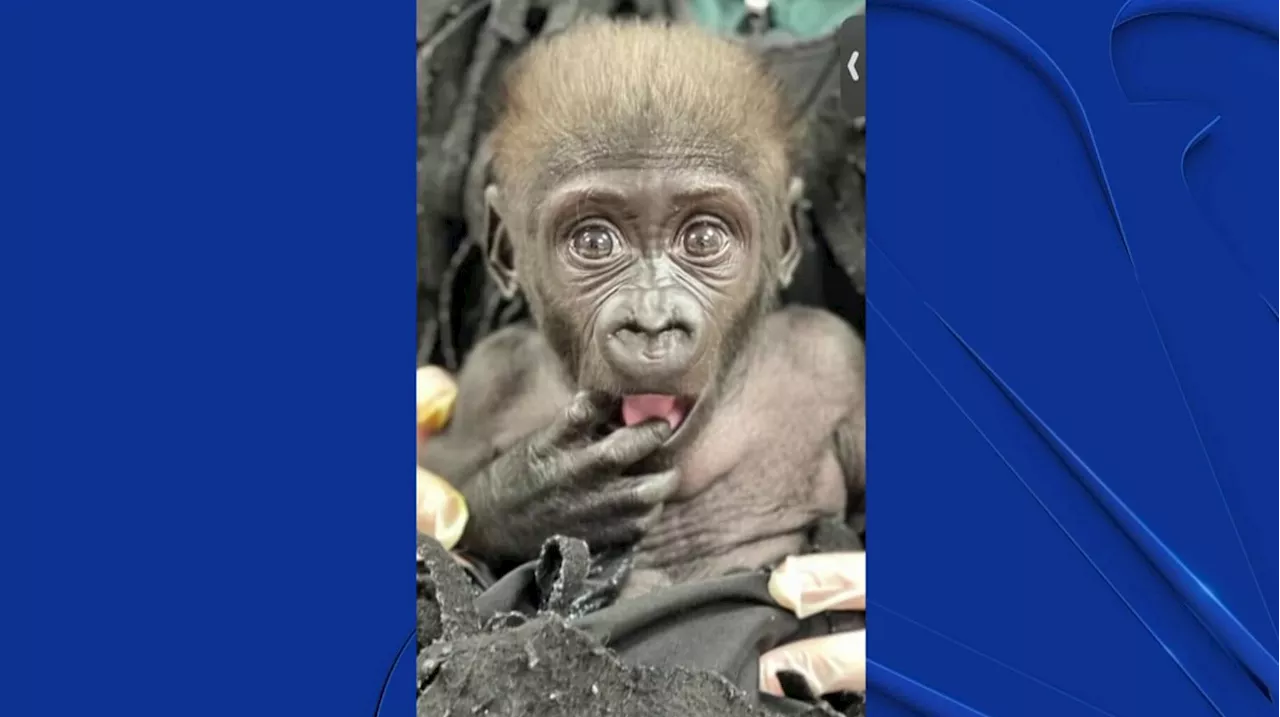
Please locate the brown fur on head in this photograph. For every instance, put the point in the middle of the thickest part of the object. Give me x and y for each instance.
(640, 133)
(605, 87)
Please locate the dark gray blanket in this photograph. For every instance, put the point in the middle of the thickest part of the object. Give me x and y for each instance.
(546, 639)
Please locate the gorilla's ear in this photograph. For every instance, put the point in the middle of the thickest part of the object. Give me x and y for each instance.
(791, 248)
(499, 259)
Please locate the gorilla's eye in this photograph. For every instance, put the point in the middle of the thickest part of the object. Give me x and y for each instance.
(593, 242)
(704, 238)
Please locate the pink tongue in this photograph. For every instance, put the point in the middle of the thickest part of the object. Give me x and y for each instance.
(640, 408)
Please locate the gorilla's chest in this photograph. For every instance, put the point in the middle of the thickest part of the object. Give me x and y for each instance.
(760, 474)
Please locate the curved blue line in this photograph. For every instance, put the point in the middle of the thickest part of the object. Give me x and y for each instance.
(1254, 17)
(382, 693)
(1199, 137)
(993, 26)
(1215, 616)
(880, 608)
(1043, 505)
(919, 697)
(1252, 21)
(1235, 528)
(1126, 15)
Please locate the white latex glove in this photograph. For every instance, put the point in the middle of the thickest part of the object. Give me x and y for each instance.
(807, 585)
(442, 512)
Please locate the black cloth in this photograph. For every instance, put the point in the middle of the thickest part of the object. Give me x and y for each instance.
(546, 639)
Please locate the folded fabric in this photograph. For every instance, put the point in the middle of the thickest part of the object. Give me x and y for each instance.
(546, 639)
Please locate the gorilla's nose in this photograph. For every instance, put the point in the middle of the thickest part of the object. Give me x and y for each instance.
(650, 342)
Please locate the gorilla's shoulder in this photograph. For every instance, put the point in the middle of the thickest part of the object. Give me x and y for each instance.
(510, 356)
(509, 341)
(819, 341)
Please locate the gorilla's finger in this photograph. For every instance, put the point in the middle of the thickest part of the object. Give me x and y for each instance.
(587, 410)
(622, 448)
(649, 490)
(624, 529)
(624, 497)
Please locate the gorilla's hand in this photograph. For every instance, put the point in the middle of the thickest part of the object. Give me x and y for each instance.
(565, 480)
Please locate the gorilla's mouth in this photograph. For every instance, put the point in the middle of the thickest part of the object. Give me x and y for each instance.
(638, 408)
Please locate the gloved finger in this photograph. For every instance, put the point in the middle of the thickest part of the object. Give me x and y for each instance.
(442, 511)
(436, 395)
(810, 584)
(827, 664)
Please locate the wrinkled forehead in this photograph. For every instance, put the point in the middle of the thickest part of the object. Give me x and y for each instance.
(649, 189)
(663, 173)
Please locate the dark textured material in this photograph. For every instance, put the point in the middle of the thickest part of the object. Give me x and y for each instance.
(546, 667)
(526, 642)
(572, 583)
(446, 595)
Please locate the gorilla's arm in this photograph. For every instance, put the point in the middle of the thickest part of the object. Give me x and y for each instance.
(850, 438)
(850, 449)
(532, 461)
(495, 376)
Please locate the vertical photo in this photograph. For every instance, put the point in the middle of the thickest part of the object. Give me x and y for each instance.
(629, 250)
(641, 439)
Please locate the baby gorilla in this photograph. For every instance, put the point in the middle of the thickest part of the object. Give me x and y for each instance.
(643, 204)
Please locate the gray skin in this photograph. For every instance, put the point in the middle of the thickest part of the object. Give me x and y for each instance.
(643, 279)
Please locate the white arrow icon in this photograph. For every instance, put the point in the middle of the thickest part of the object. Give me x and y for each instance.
(853, 68)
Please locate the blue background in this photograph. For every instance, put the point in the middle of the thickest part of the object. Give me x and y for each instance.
(207, 259)
(213, 251)
(1072, 357)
